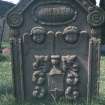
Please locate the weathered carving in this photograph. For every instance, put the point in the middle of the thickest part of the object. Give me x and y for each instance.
(71, 34)
(38, 77)
(54, 14)
(54, 58)
(71, 94)
(38, 34)
(96, 17)
(55, 61)
(39, 92)
(41, 63)
(72, 76)
(56, 85)
(58, 67)
(40, 67)
(14, 19)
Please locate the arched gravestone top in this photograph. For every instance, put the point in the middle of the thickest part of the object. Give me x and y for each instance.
(23, 5)
(55, 45)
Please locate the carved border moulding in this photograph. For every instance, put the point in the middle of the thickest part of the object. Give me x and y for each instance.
(14, 19)
(96, 17)
(54, 13)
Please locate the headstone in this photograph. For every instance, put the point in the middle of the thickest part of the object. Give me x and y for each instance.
(55, 48)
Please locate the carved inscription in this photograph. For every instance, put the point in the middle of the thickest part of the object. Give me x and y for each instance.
(54, 14)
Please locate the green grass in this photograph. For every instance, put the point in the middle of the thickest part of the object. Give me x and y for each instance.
(6, 93)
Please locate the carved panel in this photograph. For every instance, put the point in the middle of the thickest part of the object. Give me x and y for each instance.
(69, 35)
(54, 13)
(61, 74)
(71, 66)
(40, 67)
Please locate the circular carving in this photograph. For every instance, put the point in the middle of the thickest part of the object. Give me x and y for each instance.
(96, 18)
(14, 19)
(71, 34)
(38, 34)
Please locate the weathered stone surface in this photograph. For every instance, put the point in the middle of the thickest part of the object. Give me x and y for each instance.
(55, 48)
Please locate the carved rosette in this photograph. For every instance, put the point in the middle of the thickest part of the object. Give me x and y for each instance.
(14, 20)
(71, 67)
(96, 17)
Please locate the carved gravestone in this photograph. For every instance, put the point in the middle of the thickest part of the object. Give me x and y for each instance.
(55, 48)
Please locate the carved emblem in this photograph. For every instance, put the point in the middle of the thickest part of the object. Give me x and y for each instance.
(56, 76)
(40, 67)
(96, 18)
(59, 73)
(71, 34)
(72, 77)
(38, 34)
(14, 19)
(55, 61)
(50, 13)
